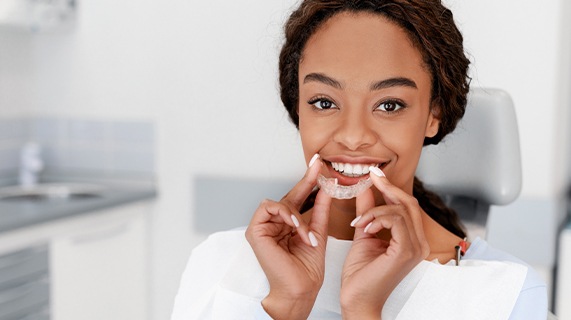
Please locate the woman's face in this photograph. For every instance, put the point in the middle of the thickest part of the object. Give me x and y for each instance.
(364, 99)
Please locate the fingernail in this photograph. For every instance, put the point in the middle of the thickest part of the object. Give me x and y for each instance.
(376, 171)
(355, 221)
(295, 221)
(368, 226)
(312, 161)
(312, 239)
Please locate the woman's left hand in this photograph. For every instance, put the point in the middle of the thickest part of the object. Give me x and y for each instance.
(374, 267)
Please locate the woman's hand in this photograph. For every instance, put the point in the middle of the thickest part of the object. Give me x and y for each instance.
(374, 266)
(291, 252)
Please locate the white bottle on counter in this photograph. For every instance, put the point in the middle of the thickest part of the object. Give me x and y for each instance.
(31, 164)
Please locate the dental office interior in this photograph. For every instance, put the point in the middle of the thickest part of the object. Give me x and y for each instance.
(126, 126)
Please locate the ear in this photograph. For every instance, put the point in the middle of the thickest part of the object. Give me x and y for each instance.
(433, 122)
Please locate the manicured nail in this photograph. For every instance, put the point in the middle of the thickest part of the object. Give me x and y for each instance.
(312, 239)
(354, 222)
(368, 226)
(295, 221)
(376, 171)
(312, 161)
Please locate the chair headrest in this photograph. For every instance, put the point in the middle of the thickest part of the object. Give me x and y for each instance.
(481, 158)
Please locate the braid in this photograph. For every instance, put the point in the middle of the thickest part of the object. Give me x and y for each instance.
(433, 205)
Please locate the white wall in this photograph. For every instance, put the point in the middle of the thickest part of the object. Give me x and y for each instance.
(16, 74)
(516, 46)
(206, 73)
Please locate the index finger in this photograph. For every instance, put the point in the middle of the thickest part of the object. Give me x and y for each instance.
(391, 193)
(299, 193)
(394, 195)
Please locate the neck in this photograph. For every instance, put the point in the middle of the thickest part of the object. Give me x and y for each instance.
(440, 240)
(341, 213)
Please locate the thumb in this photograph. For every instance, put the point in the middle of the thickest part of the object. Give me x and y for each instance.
(320, 217)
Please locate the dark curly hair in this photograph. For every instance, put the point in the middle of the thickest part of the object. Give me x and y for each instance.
(431, 28)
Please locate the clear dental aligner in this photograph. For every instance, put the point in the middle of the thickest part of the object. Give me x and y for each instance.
(335, 190)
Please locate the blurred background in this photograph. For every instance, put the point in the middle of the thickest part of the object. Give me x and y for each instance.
(148, 99)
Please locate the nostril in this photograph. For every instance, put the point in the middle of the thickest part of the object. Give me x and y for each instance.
(355, 137)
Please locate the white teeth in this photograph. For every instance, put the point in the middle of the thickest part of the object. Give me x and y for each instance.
(352, 169)
(348, 168)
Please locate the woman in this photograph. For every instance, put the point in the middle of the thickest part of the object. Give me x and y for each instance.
(368, 84)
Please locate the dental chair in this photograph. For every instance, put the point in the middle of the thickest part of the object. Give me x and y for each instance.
(479, 164)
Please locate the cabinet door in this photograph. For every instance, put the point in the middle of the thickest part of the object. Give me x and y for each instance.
(101, 272)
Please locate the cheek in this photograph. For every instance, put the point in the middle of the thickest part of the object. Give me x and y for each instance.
(310, 138)
(403, 136)
(406, 142)
(315, 133)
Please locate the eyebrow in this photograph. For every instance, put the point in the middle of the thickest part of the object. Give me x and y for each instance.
(386, 83)
(393, 82)
(320, 77)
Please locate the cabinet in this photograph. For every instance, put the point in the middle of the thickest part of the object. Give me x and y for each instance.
(100, 271)
(91, 266)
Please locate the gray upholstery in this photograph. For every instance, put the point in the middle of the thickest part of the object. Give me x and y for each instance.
(479, 163)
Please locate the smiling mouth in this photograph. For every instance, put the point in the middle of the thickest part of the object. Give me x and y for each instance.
(354, 170)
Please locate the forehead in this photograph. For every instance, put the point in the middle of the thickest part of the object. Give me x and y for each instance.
(362, 47)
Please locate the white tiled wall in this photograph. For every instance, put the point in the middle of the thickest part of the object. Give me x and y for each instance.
(79, 144)
(13, 134)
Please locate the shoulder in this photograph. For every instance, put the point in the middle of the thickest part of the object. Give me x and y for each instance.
(481, 250)
(532, 300)
(220, 243)
(213, 257)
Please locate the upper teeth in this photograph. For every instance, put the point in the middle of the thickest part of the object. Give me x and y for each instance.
(351, 169)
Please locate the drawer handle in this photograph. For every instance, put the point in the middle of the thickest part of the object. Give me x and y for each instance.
(102, 235)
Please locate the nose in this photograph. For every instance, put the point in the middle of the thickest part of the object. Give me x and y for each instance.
(355, 131)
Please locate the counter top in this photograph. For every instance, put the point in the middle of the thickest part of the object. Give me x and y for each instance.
(15, 214)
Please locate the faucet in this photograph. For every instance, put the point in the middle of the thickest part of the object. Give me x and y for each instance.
(30, 164)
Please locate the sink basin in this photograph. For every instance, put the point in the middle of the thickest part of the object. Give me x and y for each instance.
(51, 192)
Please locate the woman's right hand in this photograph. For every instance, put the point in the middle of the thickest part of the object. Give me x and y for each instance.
(290, 251)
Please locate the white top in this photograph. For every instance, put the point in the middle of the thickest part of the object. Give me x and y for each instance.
(223, 280)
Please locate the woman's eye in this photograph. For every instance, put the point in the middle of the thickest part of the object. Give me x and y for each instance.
(322, 104)
(390, 106)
